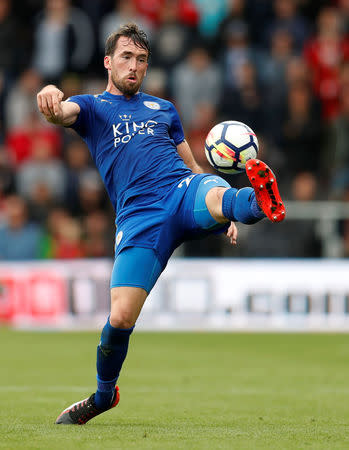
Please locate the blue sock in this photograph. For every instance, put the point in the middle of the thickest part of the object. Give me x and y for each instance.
(256, 210)
(241, 205)
(111, 353)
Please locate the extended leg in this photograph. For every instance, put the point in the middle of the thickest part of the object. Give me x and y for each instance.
(230, 204)
(218, 203)
(248, 205)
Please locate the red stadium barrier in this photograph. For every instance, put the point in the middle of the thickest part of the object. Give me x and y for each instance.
(33, 297)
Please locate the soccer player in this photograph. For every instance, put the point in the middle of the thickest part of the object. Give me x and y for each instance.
(160, 195)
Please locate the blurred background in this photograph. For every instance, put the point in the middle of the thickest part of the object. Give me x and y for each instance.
(281, 66)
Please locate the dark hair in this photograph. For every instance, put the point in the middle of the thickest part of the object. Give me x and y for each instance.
(131, 31)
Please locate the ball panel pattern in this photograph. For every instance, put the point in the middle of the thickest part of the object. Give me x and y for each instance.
(229, 145)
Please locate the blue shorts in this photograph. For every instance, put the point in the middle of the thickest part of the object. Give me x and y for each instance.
(202, 215)
(146, 239)
(136, 267)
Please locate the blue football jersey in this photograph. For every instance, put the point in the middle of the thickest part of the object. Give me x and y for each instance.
(133, 144)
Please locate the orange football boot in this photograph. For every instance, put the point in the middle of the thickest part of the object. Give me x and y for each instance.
(266, 189)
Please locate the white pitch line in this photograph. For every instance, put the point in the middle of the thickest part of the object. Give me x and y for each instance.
(145, 390)
(13, 388)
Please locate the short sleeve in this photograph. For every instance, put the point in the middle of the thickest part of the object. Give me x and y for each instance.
(176, 129)
(84, 123)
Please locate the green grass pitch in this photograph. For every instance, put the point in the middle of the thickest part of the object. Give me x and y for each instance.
(180, 391)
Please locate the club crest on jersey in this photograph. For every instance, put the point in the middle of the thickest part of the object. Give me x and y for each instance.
(151, 105)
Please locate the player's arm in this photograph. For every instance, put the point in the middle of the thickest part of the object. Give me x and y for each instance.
(56, 111)
(186, 154)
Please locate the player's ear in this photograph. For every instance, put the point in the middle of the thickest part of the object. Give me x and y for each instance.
(107, 62)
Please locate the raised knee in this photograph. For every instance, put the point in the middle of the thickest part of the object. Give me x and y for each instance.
(214, 198)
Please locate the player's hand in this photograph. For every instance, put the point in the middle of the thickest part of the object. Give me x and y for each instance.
(232, 233)
(50, 103)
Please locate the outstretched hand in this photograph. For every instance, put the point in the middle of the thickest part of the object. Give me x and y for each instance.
(232, 233)
(50, 103)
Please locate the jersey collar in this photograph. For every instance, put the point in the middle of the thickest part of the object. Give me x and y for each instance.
(134, 98)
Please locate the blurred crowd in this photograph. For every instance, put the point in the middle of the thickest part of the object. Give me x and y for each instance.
(281, 66)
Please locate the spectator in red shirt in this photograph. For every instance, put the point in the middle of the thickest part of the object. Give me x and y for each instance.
(324, 54)
(151, 10)
(20, 141)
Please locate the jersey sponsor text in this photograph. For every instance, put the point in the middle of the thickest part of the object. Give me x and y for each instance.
(125, 130)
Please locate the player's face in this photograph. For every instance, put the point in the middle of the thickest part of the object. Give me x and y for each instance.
(128, 66)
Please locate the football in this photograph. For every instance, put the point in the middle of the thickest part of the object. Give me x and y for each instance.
(229, 145)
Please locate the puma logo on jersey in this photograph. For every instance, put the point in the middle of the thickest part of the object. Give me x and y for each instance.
(214, 180)
(102, 99)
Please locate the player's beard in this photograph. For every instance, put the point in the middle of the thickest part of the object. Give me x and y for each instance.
(126, 89)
